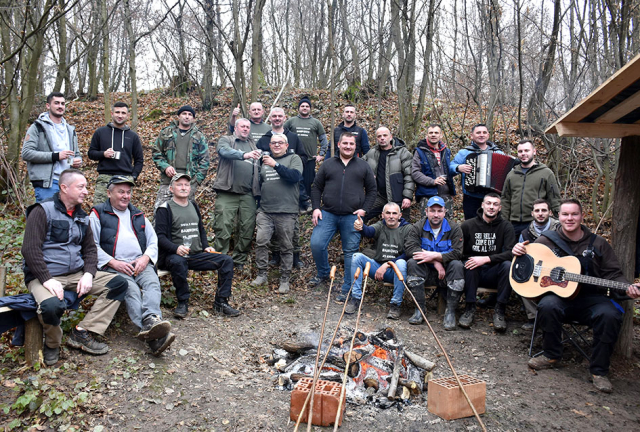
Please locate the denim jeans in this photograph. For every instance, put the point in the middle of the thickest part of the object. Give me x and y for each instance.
(46, 193)
(360, 260)
(321, 237)
(143, 294)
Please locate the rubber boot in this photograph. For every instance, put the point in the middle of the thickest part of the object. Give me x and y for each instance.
(297, 264)
(449, 321)
(417, 289)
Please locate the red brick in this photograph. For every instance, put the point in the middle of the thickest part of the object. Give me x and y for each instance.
(325, 402)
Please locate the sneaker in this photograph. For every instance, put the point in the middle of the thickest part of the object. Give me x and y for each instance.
(50, 355)
(153, 328)
(352, 306)
(260, 280)
(394, 312)
(284, 287)
(542, 362)
(222, 307)
(182, 310)
(82, 340)
(159, 345)
(341, 298)
(602, 383)
(467, 317)
(318, 282)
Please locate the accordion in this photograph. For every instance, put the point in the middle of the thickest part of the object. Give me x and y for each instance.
(488, 171)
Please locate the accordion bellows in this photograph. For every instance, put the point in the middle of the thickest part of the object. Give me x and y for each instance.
(489, 171)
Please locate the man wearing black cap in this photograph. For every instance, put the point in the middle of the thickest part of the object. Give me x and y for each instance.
(183, 246)
(181, 148)
(128, 246)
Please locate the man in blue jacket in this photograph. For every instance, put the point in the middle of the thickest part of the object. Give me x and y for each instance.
(471, 201)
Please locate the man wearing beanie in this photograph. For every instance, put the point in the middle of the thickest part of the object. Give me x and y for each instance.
(181, 149)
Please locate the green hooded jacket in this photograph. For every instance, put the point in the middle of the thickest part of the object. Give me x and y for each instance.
(521, 190)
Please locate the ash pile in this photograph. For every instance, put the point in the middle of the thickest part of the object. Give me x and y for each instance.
(380, 372)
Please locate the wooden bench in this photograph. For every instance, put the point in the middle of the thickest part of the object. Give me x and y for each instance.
(33, 334)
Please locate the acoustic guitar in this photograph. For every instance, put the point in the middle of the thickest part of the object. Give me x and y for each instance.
(540, 271)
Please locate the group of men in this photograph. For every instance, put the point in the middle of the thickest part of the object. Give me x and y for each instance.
(266, 177)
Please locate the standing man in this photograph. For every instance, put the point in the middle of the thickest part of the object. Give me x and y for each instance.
(349, 125)
(390, 236)
(128, 246)
(344, 189)
(181, 148)
(117, 150)
(258, 126)
(184, 246)
(591, 305)
(60, 255)
(528, 181)
(472, 201)
(50, 147)
(310, 131)
(237, 186)
(280, 176)
(430, 170)
(390, 162)
(488, 240)
(435, 247)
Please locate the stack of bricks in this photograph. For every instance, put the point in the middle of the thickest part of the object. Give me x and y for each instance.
(325, 402)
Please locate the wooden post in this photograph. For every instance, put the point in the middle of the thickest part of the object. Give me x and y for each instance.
(624, 226)
(3, 280)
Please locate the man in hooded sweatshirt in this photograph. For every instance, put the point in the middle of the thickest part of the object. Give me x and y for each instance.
(430, 170)
(488, 240)
(50, 147)
(117, 149)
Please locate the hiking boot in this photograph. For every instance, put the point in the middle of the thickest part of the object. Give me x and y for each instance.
(488, 302)
(394, 312)
(284, 286)
(602, 383)
(82, 340)
(297, 264)
(352, 306)
(50, 355)
(159, 345)
(153, 328)
(318, 282)
(542, 362)
(260, 280)
(275, 259)
(528, 326)
(449, 321)
(182, 310)
(499, 322)
(467, 317)
(341, 298)
(222, 307)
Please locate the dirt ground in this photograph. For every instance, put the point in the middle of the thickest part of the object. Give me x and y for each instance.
(213, 378)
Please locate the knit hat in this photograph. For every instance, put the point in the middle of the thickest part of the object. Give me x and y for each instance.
(303, 100)
(187, 108)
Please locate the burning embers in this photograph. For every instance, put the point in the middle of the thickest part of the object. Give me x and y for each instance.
(381, 370)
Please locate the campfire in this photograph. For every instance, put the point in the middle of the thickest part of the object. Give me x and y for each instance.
(381, 371)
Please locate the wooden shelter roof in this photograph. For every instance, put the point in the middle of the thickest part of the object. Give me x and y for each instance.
(610, 111)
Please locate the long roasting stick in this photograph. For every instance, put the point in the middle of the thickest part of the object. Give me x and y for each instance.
(356, 275)
(365, 278)
(316, 372)
(446, 356)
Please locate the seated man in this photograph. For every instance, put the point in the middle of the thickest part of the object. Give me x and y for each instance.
(60, 254)
(488, 240)
(280, 174)
(435, 245)
(389, 234)
(127, 244)
(590, 305)
(184, 246)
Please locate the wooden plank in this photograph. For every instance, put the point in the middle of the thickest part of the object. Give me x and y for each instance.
(608, 89)
(33, 341)
(620, 110)
(593, 130)
(4, 309)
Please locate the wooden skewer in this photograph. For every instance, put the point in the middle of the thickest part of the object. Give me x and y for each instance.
(365, 278)
(316, 372)
(446, 356)
(356, 275)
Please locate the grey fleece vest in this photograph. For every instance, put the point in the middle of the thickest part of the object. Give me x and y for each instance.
(63, 243)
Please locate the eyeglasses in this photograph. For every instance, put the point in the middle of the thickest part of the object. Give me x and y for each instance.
(278, 143)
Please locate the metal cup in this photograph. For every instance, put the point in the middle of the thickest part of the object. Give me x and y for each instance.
(116, 155)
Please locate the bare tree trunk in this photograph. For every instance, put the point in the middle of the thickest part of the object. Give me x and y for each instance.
(256, 50)
(207, 80)
(105, 62)
(92, 53)
(132, 64)
(61, 76)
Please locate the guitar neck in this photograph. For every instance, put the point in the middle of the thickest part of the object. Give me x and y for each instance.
(605, 283)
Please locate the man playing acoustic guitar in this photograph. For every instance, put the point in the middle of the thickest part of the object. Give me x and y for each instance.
(590, 305)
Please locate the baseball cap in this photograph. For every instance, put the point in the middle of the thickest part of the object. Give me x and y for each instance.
(119, 179)
(178, 176)
(435, 200)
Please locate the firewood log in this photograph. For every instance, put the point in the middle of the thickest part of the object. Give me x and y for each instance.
(420, 361)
